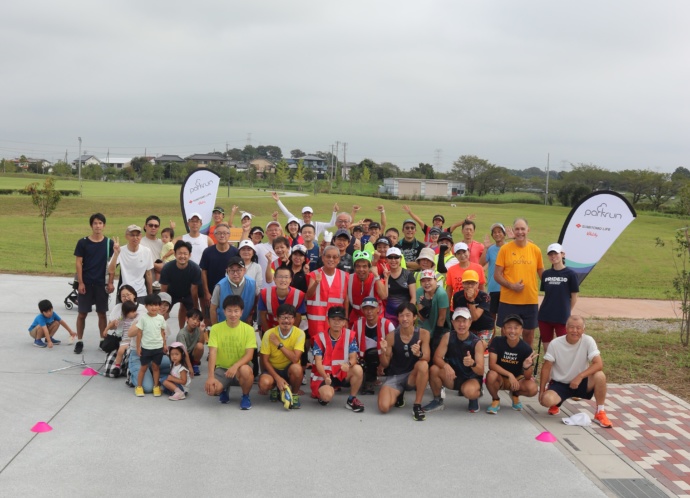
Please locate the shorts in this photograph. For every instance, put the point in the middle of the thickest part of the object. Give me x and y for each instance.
(564, 390)
(151, 355)
(493, 305)
(506, 383)
(399, 382)
(282, 373)
(95, 294)
(459, 381)
(185, 301)
(34, 331)
(528, 313)
(547, 330)
(219, 375)
(335, 382)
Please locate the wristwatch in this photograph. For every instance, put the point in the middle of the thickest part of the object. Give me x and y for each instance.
(280, 346)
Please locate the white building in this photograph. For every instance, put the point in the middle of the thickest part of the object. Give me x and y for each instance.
(422, 188)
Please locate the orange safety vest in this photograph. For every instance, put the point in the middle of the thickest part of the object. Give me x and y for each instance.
(324, 298)
(357, 295)
(333, 356)
(270, 297)
(382, 327)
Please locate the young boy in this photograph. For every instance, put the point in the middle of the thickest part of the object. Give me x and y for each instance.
(129, 315)
(151, 346)
(192, 336)
(46, 324)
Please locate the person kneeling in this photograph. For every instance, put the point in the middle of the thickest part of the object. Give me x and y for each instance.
(458, 363)
(405, 352)
(281, 351)
(510, 366)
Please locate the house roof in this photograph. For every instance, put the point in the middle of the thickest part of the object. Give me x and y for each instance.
(169, 158)
(205, 157)
(311, 158)
(116, 160)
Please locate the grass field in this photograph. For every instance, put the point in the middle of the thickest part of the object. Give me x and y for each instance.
(633, 268)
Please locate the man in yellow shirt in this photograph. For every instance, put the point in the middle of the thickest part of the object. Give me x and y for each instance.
(281, 351)
(231, 346)
(519, 266)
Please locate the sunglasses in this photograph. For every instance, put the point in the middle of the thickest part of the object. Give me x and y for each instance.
(151, 225)
(392, 257)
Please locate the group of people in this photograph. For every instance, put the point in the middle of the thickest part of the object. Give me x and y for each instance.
(361, 306)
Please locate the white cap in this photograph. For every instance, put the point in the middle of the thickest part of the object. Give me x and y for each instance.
(428, 274)
(197, 215)
(300, 248)
(291, 219)
(246, 215)
(393, 251)
(307, 209)
(246, 243)
(463, 312)
(273, 222)
(460, 246)
(554, 248)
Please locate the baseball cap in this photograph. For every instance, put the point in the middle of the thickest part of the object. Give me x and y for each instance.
(236, 260)
(219, 209)
(408, 221)
(374, 224)
(499, 225)
(463, 312)
(307, 209)
(393, 251)
(133, 228)
(247, 243)
(428, 274)
(246, 215)
(435, 230)
(554, 248)
(299, 248)
(342, 233)
(197, 215)
(460, 246)
(445, 236)
(383, 240)
(439, 217)
(427, 253)
(291, 220)
(165, 297)
(513, 318)
(470, 276)
(370, 301)
(256, 229)
(272, 222)
(337, 312)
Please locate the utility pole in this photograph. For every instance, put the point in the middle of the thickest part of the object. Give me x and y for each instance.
(344, 160)
(335, 160)
(437, 159)
(80, 186)
(546, 193)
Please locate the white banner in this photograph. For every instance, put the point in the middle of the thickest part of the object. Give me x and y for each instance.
(198, 195)
(591, 227)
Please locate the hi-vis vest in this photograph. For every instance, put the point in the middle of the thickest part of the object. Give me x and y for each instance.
(362, 290)
(324, 298)
(270, 297)
(383, 326)
(333, 356)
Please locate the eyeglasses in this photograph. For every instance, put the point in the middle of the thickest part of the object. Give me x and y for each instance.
(151, 225)
(135, 235)
(283, 277)
(238, 270)
(286, 317)
(409, 227)
(221, 233)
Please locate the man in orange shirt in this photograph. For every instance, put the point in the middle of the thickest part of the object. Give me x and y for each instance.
(454, 275)
(519, 266)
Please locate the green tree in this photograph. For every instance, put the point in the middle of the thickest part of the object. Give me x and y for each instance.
(684, 199)
(146, 174)
(61, 168)
(8, 166)
(424, 170)
(593, 176)
(46, 200)
(636, 182)
(300, 174)
(661, 189)
(92, 172)
(467, 168)
(296, 153)
(158, 172)
(127, 174)
(235, 154)
(138, 164)
(110, 173)
(251, 175)
(681, 174)
(249, 152)
(282, 172)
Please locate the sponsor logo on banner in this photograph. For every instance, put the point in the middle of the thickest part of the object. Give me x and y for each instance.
(198, 195)
(592, 227)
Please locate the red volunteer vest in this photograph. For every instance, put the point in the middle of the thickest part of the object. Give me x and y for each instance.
(382, 326)
(324, 298)
(270, 297)
(357, 291)
(333, 356)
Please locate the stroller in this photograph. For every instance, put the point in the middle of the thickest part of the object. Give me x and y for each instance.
(73, 297)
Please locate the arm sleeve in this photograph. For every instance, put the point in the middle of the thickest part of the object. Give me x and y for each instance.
(285, 211)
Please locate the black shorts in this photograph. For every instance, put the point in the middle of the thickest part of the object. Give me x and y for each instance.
(493, 306)
(185, 301)
(564, 390)
(528, 313)
(151, 356)
(335, 382)
(95, 294)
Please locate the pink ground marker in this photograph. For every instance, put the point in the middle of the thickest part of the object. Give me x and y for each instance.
(41, 427)
(89, 372)
(546, 437)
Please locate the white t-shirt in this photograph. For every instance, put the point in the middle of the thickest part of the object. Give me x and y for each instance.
(199, 245)
(176, 370)
(569, 360)
(133, 267)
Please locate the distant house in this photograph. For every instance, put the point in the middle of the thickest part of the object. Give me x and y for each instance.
(238, 165)
(168, 158)
(86, 160)
(40, 163)
(263, 166)
(116, 162)
(422, 188)
(207, 160)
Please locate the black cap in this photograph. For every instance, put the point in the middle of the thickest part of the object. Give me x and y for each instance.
(236, 260)
(513, 318)
(373, 224)
(445, 236)
(439, 217)
(337, 312)
(342, 233)
(219, 209)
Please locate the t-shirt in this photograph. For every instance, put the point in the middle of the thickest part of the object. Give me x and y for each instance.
(133, 267)
(510, 358)
(216, 263)
(398, 291)
(569, 360)
(253, 270)
(42, 321)
(151, 326)
(294, 342)
(520, 263)
(176, 371)
(231, 342)
(189, 339)
(167, 247)
(454, 276)
(411, 249)
(491, 254)
(180, 281)
(558, 285)
(486, 321)
(439, 301)
(301, 309)
(476, 250)
(199, 245)
(154, 245)
(261, 251)
(95, 256)
(313, 256)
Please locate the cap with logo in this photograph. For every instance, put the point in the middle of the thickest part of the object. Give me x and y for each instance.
(463, 312)
(370, 301)
(428, 274)
(342, 233)
(513, 318)
(247, 243)
(337, 312)
(219, 210)
(236, 261)
(393, 251)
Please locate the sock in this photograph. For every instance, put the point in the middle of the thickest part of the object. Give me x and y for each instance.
(516, 399)
(117, 365)
(416, 404)
(600, 408)
(350, 398)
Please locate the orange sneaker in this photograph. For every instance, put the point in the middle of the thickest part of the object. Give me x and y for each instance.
(554, 410)
(601, 419)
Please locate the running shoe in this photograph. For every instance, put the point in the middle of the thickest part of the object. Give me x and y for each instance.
(418, 413)
(554, 410)
(434, 405)
(156, 391)
(601, 419)
(400, 402)
(224, 396)
(493, 409)
(139, 391)
(355, 405)
(245, 403)
(40, 344)
(473, 406)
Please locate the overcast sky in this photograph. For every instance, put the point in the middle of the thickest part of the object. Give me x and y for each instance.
(603, 82)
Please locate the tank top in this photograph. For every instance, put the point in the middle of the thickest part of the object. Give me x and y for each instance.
(403, 360)
(457, 350)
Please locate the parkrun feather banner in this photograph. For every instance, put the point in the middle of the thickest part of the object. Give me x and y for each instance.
(592, 227)
(198, 196)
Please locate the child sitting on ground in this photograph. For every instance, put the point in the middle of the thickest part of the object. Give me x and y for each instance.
(178, 380)
(151, 346)
(121, 327)
(46, 325)
(192, 336)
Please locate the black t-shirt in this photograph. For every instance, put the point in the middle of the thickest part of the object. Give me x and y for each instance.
(216, 264)
(95, 256)
(180, 281)
(485, 322)
(557, 286)
(399, 290)
(299, 281)
(509, 358)
(410, 250)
